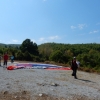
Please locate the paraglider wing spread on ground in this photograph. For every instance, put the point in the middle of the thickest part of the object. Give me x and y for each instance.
(36, 66)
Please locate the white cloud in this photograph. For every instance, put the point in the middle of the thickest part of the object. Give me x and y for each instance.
(81, 26)
(42, 39)
(53, 37)
(92, 32)
(46, 39)
(33, 40)
(73, 27)
(15, 41)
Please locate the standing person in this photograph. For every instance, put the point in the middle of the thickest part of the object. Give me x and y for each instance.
(5, 58)
(12, 59)
(74, 67)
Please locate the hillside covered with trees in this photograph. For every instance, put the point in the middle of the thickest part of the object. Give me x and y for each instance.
(87, 54)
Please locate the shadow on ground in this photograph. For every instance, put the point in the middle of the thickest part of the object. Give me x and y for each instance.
(86, 80)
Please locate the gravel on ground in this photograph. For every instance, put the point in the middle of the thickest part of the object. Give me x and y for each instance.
(42, 84)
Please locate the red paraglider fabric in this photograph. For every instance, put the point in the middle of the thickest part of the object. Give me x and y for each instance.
(11, 67)
(62, 68)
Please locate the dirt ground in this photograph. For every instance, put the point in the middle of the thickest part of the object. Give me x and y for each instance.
(42, 84)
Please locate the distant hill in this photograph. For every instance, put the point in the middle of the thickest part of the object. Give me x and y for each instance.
(12, 45)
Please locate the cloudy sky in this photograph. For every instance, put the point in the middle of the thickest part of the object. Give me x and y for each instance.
(42, 21)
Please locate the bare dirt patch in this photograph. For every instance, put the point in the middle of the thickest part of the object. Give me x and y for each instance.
(24, 95)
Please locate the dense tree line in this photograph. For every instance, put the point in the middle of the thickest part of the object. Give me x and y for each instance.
(87, 54)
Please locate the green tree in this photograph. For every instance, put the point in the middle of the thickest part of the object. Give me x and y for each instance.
(19, 55)
(29, 46)
(56, 56)
(27, 56)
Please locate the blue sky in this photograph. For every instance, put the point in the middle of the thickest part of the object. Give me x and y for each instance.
(42, 21)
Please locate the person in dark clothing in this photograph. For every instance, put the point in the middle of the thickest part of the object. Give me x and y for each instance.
(74, 67)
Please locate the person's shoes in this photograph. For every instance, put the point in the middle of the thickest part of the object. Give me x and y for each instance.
(76, 78)
(72, 74)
